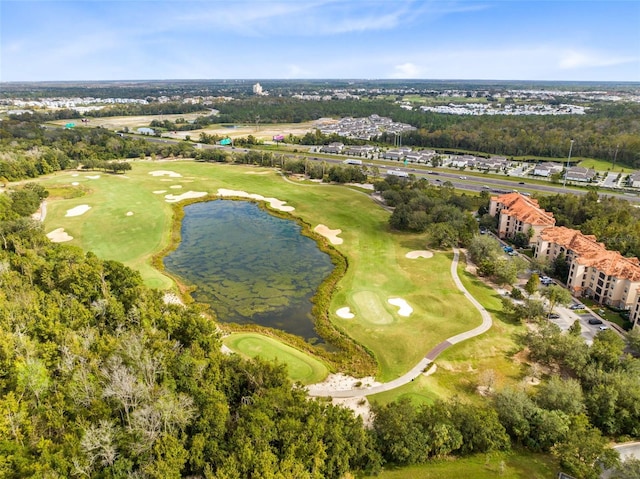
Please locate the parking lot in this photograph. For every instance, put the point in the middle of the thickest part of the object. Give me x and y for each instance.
(567, 317)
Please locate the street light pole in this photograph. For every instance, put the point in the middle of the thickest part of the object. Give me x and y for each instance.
(564, 184)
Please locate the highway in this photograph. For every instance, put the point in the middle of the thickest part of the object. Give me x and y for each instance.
(469, 181)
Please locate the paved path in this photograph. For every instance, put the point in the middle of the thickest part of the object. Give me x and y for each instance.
(430, 356)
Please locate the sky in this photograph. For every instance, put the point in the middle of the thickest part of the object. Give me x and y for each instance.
(556, 40)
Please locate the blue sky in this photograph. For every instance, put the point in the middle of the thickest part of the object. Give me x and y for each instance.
(578, 40)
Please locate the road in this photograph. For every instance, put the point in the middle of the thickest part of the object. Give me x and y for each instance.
(471, 182)
(419, 368)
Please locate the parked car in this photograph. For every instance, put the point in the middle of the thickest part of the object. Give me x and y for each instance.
(595, 321)
(554, 316)
(576, 306)
(603, 327)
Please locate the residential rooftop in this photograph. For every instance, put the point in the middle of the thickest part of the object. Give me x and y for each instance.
(524, 209)
(593, 254)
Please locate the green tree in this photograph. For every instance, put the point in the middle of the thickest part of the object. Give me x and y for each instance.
(562, 394)
(533, 283)
(556, 295)
(628, 469)
(585, 450)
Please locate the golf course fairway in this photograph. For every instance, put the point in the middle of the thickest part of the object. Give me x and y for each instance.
(129, 218)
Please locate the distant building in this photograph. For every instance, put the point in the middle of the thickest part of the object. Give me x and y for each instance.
(462, 161)
(257, 89)
(634, 180)
(519, 214)
(547, 169)
(580, 173)
(146, 131)
(334, 147)
(493, 163)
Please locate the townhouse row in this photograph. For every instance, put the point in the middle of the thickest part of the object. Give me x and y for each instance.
(595, 272)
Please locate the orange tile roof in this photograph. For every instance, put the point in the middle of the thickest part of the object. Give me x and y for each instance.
(589, 252)
(525, 209)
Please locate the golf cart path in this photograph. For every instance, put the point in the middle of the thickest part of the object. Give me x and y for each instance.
(430, 356)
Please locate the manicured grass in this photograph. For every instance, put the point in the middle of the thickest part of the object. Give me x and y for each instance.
(301, 366)
(463, 367)
(603, 165)
(376, 257)
(506, 465)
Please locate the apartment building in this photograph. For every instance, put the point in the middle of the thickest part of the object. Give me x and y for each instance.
(595, 272)
(519, 214)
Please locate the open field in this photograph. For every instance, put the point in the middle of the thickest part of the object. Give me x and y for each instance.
(301, 366)
(506, 465)
(129, 221)
(261, 131)
(602, 165)
(132, 122)
(264, 132)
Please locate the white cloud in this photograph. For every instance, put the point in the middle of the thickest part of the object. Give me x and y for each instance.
(586, 59)
(296, 71)
(407, 70)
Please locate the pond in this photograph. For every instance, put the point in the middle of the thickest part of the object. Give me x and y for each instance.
(250, 266)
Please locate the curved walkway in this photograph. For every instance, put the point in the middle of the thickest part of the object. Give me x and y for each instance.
(430, 356)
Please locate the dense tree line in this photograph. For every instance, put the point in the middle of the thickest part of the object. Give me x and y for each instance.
(613, 221)
(302, 166)
(607, 375)
(438, 210)
(101, 378)
(598, 134)
(28, 150)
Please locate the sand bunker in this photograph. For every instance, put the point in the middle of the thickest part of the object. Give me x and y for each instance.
(93, 177)
(75, 174)
(273, 202)
(419, 254)
(345, 313)
(331, 235)
(129, 213)
(75, 183)
(159, 192)
(59, 236)
(78, 210)
(405, 309)
(257, 173)
(184, 196)
(175, 187)
(172, 174)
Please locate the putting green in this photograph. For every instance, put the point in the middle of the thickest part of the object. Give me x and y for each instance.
(371, 308)
(301, 366)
